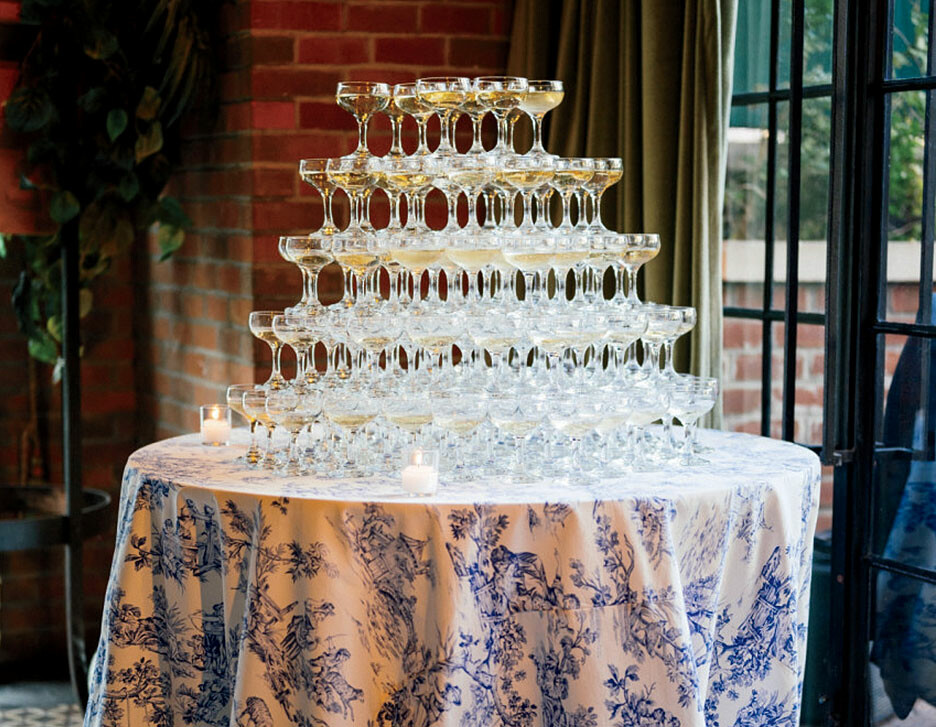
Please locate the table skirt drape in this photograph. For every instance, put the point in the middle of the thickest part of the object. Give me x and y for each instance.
(667, 598)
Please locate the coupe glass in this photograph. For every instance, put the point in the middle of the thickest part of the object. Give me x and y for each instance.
(362, 99)
(470, 173)
(663, 321)
(413, 178)
(635, 250)
(515, 417)
(607, 173)
(353, 175)
(350, 410)
(293, 410)
(476, 112)
(688, 319)
(501, 95)
(315, 173)
(460, 414)
(445, 94)
(526, 174)
(407, 100)
(311, 253)
(296, 332)
(690, 397)
(235, 400)
(569, 176)
(260, 323)
(541, 98)
(411, 412)
(254, 401)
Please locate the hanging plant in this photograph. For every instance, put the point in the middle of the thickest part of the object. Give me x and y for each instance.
(99, 99)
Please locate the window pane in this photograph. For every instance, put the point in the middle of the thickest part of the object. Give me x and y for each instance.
(903, 651)
(741, 366)
(746, 180)
(901, 299)
(817, 42)
(904, 504)
(909, 38)
(783, 50)
(752, 64)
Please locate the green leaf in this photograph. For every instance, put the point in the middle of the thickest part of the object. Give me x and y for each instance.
(128, 187)
(28, 109)
(42, 347)
(64, 206)
(170, 239)
(101, 44)
(105, 229)
(149, 104)
(149, 142)
(171, 213)
(3, 246)
(116, 123)
(92, 100)
(26, 183)
(85, 301)
(54, 327)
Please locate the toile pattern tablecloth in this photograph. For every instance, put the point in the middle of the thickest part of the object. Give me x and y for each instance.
(670, 599)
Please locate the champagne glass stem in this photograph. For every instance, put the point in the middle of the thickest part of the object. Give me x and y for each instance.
(445, 143)
(304, 301)
(537, 133)
(396, 127)
(596, 222)
(422, 147)
(253, 454)
(527, 222)
(502, 134)
(276, 348)
(328, 221)
(472, 197)
(362, 137)
(668, 368)
(477, 146)
(490, 219)
(632, 283)
(395, 223)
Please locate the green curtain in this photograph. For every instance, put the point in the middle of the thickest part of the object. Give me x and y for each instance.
(649, 82)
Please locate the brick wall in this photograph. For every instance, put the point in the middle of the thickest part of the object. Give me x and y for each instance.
(240, 182)
(165, 337)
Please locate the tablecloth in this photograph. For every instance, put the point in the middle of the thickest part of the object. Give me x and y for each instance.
(670, 598)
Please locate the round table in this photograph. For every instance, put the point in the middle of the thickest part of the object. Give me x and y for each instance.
(667, 598)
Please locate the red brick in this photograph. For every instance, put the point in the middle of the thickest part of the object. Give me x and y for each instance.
(334, 50)
(272, 50)
(280, 216)
(382, 18)
(903, 299)
(273, 114)
(409, 50)
(326, 116)
(290, 148)
(274, 182)
(273, 82)
(473, 53)
(9, 11)
(276, 14)
(454, 20)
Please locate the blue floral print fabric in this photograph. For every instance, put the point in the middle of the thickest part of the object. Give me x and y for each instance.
(663, 599)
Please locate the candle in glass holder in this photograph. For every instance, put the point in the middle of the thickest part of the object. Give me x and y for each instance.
(421, 474)
(215, 425)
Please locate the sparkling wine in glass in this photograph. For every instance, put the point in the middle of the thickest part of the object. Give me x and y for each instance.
(260, 323)
(362, 99)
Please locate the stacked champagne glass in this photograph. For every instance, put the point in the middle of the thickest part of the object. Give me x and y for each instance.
(494, 340)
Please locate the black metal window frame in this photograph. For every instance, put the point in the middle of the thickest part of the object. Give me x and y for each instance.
(767, 314)
(857, 321)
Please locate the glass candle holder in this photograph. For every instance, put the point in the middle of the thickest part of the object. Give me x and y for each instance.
(215, 425)
(420, 475)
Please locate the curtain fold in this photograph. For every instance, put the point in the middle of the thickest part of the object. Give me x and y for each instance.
(649, 82)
